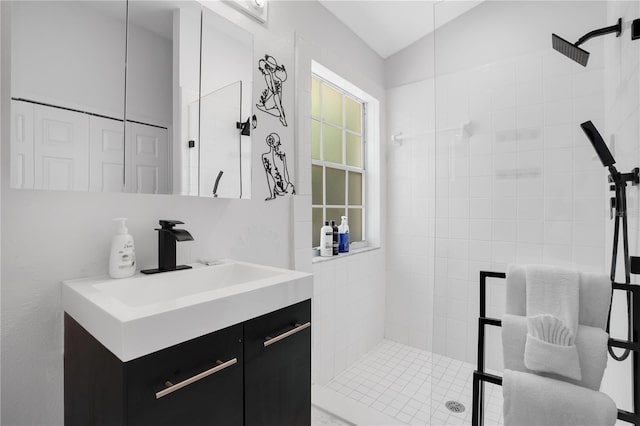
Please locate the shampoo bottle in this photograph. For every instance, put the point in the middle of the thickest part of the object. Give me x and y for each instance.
(343, 236)
(335, 237)
(122, 260)
(326, 240)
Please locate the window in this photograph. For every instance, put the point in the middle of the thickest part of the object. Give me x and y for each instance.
(338, 158)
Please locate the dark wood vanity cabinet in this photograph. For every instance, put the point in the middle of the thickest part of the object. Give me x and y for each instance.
(254, 373)
(210, 368)
(277, 370)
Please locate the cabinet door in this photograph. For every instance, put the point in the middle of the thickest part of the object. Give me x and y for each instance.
(147, 159)
(61, 149)
(21, 145)
(106, 155)
(278, 367)
(206, 374)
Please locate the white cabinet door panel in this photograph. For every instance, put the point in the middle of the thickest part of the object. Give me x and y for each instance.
(61, 149)
(147, 159)
(106, 155)
(21, 168)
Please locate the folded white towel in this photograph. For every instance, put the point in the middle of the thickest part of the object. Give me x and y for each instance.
(595, 296)
(516, 291)
(552, 320)
(595, 299)
(591, 343)
(534, 400)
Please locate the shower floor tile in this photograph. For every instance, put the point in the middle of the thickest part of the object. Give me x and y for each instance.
(320, 417)
(411, 386)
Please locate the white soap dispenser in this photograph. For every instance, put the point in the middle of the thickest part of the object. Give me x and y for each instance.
(122, 260)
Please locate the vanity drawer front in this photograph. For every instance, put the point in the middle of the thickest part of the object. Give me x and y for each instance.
(278, 367)
(205, 378)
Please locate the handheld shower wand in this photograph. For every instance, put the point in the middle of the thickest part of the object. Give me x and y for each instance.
(619, 203)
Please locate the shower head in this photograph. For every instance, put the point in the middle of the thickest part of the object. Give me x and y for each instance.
(598, 143)
(570, 50)
(575, 53)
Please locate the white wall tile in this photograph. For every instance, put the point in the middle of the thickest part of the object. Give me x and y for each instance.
(481, 186)
(558, 112)
(558, 160)
(479, 250)
(504, 230)
(530, 208)
(558, 136)
(480, 229)
(530, 92)
(480, 208)
(558, 88)
(557, 232)
(530, 231)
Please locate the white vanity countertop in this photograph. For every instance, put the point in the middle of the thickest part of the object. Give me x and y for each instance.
(142, 314)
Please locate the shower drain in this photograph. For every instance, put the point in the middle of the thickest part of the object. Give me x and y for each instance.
(454, 406)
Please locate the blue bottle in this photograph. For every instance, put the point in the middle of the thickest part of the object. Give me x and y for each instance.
(343, 236)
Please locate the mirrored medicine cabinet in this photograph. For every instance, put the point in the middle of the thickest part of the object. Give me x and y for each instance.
(129, 96)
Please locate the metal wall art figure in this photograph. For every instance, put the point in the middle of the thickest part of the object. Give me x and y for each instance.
(271, 98)
(275, 166)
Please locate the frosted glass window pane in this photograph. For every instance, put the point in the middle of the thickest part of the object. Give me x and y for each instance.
(331, 105)
(315, 140)
(316, 185)
(315, 97)
(332, 142)
(335, 214)
(355, 189)
(317, 223)
(353, 115)
(335, 186)
(355, 224)
(354, 150)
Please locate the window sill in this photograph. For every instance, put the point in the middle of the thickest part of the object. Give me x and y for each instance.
(319, 259)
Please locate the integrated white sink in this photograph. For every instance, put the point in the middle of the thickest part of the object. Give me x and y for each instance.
(171, 286)
(136, 316)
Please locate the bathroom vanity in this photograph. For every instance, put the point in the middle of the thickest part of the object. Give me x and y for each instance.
(230, 344)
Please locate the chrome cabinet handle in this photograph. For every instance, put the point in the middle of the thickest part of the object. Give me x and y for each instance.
(299, 327)
(172, 388)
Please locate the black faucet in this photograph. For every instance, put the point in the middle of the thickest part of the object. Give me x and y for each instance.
(167, 237)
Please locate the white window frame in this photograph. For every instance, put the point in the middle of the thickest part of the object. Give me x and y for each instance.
(373, 153)
(339, 166)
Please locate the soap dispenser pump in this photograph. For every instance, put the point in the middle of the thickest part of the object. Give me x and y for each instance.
(122, 259)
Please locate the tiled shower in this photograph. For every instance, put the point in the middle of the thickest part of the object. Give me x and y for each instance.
(486, 166)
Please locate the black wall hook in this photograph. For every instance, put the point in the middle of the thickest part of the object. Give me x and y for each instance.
(251, 123)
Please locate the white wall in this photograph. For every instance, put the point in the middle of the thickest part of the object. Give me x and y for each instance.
(348, 315)
(52, 64)
(621, 132)
(149, 73)
(348, 306)
(54, 236)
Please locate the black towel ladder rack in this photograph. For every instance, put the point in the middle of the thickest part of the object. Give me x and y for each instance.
(480, 376)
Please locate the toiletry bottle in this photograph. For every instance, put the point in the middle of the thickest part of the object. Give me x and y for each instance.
(343, 236)
(334, 227)
(122, 260)
(326, 240)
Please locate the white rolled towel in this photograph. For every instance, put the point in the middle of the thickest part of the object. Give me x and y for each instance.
(591, 343)
(553, 296)
(534, 400)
